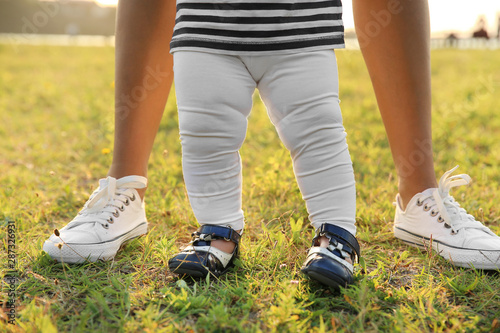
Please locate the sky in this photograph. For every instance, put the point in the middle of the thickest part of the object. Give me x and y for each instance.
(461, 18)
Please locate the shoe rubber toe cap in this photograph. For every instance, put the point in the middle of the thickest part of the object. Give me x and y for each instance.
(191, 264)
(327, 271)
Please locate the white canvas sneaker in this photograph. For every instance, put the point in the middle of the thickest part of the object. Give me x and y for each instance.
(433, 217)
(113, 215)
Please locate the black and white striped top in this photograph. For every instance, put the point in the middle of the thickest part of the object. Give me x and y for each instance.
(257, 26)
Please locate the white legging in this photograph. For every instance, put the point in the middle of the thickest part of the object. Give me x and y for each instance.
(214, 97)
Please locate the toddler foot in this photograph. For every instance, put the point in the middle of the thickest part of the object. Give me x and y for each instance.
(331, 263)
(206, 254)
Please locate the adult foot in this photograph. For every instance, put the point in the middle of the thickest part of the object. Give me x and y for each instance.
(113, 215)
(434, 219)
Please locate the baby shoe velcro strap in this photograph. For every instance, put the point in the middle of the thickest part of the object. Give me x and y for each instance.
(341, 235)
(211, 232)
(223, 257)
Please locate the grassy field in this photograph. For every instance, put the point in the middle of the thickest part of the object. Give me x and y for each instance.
(56, 132)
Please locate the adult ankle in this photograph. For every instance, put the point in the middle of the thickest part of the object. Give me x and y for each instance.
(117, 173)
(407, 191)
(141, 192)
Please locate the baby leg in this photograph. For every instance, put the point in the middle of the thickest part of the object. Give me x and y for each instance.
(214, 97)
(301, 94)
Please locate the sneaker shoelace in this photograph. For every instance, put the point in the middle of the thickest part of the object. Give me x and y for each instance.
(109, 200)
(450, 212)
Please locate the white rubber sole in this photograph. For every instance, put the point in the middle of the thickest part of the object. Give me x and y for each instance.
(72, 253)
(461, 257)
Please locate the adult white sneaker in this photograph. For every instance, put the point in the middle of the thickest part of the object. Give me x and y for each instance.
(113, 215)
(434, 218)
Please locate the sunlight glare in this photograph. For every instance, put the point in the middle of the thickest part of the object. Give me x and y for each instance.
(107, 2)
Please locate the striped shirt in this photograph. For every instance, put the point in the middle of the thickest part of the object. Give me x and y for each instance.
(257, 26)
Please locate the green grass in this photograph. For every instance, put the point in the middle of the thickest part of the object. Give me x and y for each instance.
(56, 122)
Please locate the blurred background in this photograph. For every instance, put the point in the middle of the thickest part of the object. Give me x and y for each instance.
(78, 17)
(454, 23)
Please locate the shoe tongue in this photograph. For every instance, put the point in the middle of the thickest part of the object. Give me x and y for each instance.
(428, 192)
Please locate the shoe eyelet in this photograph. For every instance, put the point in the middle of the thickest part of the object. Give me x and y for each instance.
(426, 208)
(116, 213)
(127, 202)
(122, 208)
(433, 213)
(453, 232)
(111, 220)
(106, 226)
(133, 197)
(440, 219)
(447, 226)
(419, 203)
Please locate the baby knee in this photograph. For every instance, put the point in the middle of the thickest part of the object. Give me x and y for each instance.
(204, 135)
(319, 128)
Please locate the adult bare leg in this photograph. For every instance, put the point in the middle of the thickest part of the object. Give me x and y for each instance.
(143, 80)
(394, 36)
